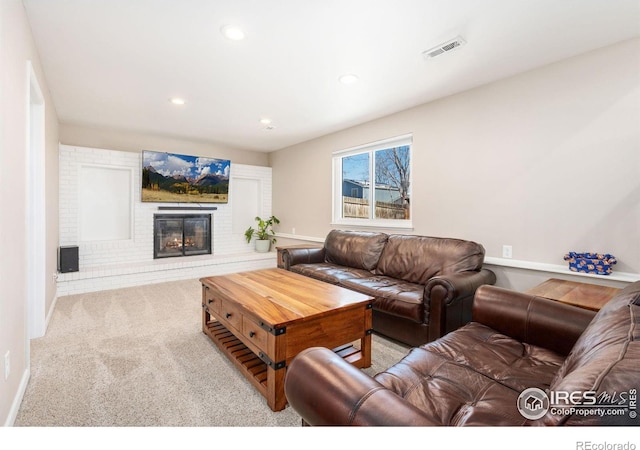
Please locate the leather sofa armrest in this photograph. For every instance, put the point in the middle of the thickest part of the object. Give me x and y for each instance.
(311, 255)
(324, 389)
(531, 319)
(444, 294)
(461, 284)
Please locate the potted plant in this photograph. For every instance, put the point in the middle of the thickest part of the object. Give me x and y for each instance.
(264, 234)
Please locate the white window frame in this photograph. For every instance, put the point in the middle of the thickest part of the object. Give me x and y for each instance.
(370, 148)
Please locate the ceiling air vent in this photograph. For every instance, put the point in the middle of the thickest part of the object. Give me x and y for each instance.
(444, 48)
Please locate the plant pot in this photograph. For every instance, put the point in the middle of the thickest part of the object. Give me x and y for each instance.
(263, 245)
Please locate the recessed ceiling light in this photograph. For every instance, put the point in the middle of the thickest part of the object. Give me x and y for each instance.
(232, 32)
(177, 101)
(348, 78)
(265, 121)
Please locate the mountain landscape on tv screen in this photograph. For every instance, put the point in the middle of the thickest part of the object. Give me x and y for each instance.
(168, 177)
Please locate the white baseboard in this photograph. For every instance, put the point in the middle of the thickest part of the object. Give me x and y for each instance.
(17, 400)
(50, 313)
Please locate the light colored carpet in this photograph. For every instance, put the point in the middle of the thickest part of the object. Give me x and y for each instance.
(138, 357)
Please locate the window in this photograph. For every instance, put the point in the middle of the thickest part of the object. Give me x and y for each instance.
(374, 174)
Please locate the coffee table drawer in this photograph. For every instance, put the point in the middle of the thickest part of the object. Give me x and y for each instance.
(231, 314)
(256, 334)
(212, 301)
(213, 305)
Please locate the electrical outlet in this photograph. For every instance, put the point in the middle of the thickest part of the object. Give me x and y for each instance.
(293, 231)
(507, 251)
(7, 365)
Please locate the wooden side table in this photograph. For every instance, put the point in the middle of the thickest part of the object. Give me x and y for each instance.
(584, 295)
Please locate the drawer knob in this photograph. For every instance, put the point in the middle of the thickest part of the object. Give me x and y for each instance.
(251, 334)
(210, 300)
(227, 315)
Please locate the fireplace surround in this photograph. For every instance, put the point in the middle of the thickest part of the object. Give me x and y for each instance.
(177, 235)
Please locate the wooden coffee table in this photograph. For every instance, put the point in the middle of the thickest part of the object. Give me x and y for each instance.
(261, 319)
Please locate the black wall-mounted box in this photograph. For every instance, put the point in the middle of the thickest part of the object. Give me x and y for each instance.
(68, 259)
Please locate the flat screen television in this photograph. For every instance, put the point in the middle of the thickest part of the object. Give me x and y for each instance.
(173, 178)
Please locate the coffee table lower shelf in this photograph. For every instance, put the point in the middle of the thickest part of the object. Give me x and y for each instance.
(250, 365)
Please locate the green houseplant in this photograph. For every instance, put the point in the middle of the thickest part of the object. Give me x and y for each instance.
(264, 233)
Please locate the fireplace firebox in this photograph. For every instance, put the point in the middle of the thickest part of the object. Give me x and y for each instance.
(181, 235)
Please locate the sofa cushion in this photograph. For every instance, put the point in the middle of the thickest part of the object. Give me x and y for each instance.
(472, 376)
(416, 259)
(508, 361)
(450, 393)
(329, 273)
(604, 358)
(357, 249)
(395, 297)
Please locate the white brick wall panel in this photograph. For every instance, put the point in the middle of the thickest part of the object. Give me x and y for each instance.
(97, 258)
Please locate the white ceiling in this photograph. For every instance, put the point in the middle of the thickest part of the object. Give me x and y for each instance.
(115, 63)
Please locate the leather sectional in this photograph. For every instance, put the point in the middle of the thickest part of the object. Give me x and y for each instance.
(475, 375)
(422, 286)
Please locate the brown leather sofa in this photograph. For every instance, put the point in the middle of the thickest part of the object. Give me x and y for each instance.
(422, 286)
(476, 374)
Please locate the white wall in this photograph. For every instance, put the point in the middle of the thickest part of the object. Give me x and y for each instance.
(546, 161)
(16, 48)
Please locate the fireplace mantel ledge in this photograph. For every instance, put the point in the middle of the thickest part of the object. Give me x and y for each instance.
(163, 264)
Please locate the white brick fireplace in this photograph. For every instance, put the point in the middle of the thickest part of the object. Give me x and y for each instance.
(113, 255)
